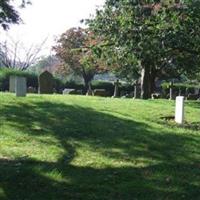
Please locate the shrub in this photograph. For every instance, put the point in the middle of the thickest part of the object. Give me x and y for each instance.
(5, 73)
(74, 85)
(58, 85)
(183, 87)
(32, 79)
(108, 86)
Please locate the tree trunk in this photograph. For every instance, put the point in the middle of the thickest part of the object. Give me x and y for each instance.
(145, 83)
(86, 84)
(152, 86)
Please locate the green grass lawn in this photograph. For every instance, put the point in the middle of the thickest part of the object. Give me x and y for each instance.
(88, 148)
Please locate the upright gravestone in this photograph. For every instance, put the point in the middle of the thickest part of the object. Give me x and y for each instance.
(179, 113)
(46, 83)
(116, 90)
(20, 86)
(12, 83)
(171, 90)
(136, 86)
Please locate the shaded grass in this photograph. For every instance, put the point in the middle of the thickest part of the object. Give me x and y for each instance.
(73, 147)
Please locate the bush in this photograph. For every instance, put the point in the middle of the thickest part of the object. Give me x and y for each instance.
(128, 88)
(183, 87)
(5, 73)
(108, 86)
(74, 85)
(32, 79)
(58, 85)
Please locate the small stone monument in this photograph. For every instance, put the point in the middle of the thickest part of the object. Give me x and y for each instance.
(20, 86)
(171, 91)
(68, 91)
(12, 83)
(135, 94)
(46, 83)
(116, 90)
(179, 112)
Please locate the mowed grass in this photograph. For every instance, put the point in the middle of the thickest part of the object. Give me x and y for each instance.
(89, 148)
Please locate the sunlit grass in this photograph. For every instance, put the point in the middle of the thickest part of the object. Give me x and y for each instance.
(76, 147)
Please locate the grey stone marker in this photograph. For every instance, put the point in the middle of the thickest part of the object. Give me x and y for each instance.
(179, 113)
(171, 91)
(116, 90)
(67, 91)
(12, 83)
(46, 83)
(20, 86)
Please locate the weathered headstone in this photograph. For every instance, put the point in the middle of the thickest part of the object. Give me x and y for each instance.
(171, 91)
(12, 83)
(68, 91)
(46, 83)
(116, 90)
(179, 112)
(20, 86)
(135, 91)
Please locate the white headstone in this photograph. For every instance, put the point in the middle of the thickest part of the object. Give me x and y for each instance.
(12, 84)
(67, 91)
(20, 86)
(179, 114)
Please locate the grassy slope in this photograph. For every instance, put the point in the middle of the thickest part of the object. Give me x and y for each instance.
(71, 147)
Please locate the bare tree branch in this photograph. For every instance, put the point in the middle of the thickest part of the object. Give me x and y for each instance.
(13, 54)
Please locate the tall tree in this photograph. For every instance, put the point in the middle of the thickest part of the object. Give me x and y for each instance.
(149, 36)
(14, 54)
(74, 47)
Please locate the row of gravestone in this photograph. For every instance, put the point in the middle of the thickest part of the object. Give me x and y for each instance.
(18, 84)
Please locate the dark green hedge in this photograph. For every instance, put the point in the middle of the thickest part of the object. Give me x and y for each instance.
(32, 79)
(5, 73)
(108, 86)
(183, 87)
(74, 85)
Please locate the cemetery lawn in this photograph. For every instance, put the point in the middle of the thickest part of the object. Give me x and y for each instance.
(91, 148)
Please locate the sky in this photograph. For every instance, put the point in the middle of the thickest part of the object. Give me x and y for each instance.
(47, 19)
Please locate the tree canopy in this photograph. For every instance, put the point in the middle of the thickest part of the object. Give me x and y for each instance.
(9, 14)
(74, 47)
(150, 37)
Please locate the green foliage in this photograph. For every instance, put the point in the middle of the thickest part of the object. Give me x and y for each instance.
(158, 38)
(32, 79)
(47, 62)
(74, 48)
(58, 85)
(9, 14)
(74, 85)
(5, 73)
(184, 87)
(108, 86)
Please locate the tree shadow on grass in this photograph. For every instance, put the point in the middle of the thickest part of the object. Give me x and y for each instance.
(169, 170)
